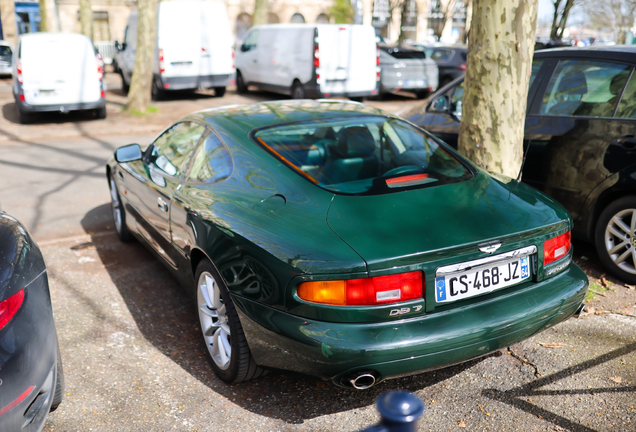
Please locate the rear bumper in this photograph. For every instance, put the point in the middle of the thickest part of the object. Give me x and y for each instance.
(193, 82)
(313, 91)
(332, 351)
(30, 363)
(25, 107)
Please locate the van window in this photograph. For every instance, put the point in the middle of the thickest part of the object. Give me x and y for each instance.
(250, 41)
(5, 50)
(172, 150)
(362, 155)
(212, 162)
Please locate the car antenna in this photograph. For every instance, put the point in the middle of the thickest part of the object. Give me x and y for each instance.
(523, 162)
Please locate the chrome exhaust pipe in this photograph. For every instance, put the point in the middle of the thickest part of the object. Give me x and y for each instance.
(579, 311)
(362, 380)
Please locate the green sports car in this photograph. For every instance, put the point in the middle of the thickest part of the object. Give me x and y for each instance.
(332, 239)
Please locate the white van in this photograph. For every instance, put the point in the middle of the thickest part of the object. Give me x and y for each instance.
(57, 72)
(310, 60)
(193, 49)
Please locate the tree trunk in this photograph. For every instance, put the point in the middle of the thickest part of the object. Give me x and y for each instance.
(9, 27)
(141, 82)
(447, 28)
(44, 22)
(422, 20)
(469, 18)
(86, 18)
(496, 86)
(261, 12)
(555, 20)
(564, 18)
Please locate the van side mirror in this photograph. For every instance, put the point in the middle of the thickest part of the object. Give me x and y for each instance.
(244, 48)
(441, 104)
(123, 46)
(128, 153)
(117, 46)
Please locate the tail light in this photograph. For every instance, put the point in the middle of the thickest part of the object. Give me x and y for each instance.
(556, 248)
(233, 62)
(161, 68)
(377, 62)
(367, 291)
(19, 70)
(10, 306)
(463, 66)
(100, 67)
(316, 59)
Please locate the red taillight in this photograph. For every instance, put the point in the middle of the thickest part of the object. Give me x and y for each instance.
(367, 291)
(161, 68)
(103, 94)
(556, 248)
(16, 402)
(377, 55)
(100, 67)
(233, 63)
(21, 97)
(19, 70)
(462, 66)
(316, 60)
(10, 306)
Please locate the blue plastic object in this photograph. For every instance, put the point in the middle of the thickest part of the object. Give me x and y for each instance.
(399, 411)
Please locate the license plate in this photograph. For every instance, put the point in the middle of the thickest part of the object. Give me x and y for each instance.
(44, 93)
(181, 65)
(486, 278)
(415, 83)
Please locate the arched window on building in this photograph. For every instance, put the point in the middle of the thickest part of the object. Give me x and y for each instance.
(323, 18)
(273, 18)
(243, 23)
(297, 19)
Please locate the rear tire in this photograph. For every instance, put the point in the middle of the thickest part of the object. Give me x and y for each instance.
(615, 238)
(118, 212)
(23, 117)
(125, 87)
(100, 113)
(241, 88)
(219, 91)
(357, 99)
(58, 392)
(221, 329)
(422, 94)
(157, 94)
(297, 91)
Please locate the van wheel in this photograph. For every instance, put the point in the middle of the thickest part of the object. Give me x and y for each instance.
(23, 117)
(422, 94)
(357, 99)
(240, 84)
(156, 93)
(100, 113)
(124, 85)
(297, 92)
(219, 91)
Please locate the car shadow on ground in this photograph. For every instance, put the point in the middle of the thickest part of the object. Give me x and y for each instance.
(147, 287)
(9, 112)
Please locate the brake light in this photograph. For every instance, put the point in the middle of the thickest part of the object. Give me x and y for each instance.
(9, 307)
(161, 68)
(233, 63)
(100, 67)
(316, 59)
(366, 291)
(377, 62)
(19, 70)
(556, 248)
(463, 66)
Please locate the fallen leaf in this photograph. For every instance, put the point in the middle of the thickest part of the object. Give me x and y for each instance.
(631, 287)
(616, 379)
(584, 258)
(589, 310)
(552, 344)
(604, 282)
(461, 423)
(320, 384)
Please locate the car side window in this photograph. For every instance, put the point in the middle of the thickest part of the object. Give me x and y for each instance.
(627, 105)
(585, 88)
(171, 151)
(212, 161)
(250, 41)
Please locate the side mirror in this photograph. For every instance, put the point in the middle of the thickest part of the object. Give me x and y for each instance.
(117, 46)
(441, 104)
(123, 46)
(457, 110)
(128, 153)
(244, 48)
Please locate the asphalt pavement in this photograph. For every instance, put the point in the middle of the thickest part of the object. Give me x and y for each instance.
(131, 345)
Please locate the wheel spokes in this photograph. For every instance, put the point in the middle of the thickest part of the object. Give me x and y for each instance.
(620, 224)
(624, 244)
(623, 256)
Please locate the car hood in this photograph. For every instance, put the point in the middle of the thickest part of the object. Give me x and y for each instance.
(403, 228)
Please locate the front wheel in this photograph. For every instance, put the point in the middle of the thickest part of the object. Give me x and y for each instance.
(125, 86)
(219, 91)
(119, 214)
(298, 91)
(100, 113)
(223, 335)
(615, 238)
(156, 93)
(241, 87)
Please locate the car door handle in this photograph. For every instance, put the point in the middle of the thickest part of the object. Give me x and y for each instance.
(627, 142)
(121, 176)
(163, 206)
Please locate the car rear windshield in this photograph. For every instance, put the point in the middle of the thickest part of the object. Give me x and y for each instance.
(406, 54)
(362, 155)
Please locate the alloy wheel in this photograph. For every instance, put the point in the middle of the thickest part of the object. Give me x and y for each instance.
(115, 205)
(214, 321)
(620, 240)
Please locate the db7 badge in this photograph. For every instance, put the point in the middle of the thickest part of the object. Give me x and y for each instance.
(403, 311)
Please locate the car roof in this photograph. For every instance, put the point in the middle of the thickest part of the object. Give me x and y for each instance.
(253, 116)
(613, 52)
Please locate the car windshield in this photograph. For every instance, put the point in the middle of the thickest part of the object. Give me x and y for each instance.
(362, 155)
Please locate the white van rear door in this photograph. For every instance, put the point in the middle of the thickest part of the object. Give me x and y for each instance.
(216, 40)
(179, 38)
(59, 69)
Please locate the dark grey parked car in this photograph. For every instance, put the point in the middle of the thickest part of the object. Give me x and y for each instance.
(450, 59)
(406, 68)
(31, 378)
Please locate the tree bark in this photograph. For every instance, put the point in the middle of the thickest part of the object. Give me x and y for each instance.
(447, 28)
(9, 26)
(86, 18)
(564, 19)
(469, 18)
(496, 86)
(141, 82)
(261, 12)
(555, 19)
(44, 22)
